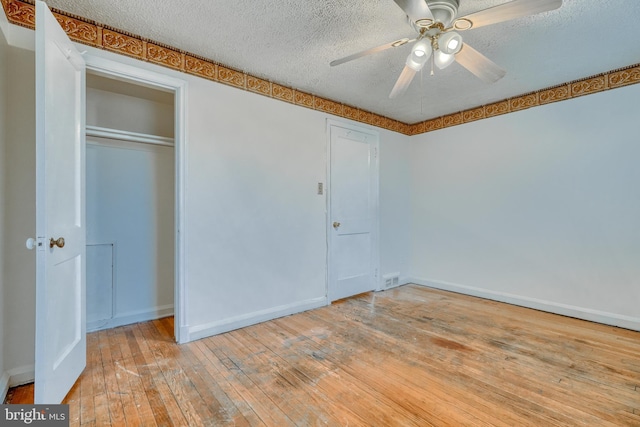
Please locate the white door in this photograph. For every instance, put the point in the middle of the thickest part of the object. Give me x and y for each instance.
(60, 264)
(353, 211)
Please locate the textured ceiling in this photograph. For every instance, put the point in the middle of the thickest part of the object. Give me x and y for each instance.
(291, 42)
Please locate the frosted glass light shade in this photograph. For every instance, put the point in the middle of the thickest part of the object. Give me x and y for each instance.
(443, 60)
(419, 55)
(450, 43)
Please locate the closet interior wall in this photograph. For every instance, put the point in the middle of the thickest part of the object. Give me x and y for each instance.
(130, 203)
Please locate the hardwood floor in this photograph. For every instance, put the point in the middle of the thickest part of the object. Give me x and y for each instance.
(411, 356)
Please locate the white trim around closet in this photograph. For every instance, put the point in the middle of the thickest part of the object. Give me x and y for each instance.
(134, 74)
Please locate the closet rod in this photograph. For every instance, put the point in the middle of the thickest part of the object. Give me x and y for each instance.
(123, 135)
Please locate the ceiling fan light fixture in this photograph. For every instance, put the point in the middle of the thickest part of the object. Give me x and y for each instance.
(416, 64)
(443, 60)
(419, 55)
(436, 23)
(450, 43)
(422, 48)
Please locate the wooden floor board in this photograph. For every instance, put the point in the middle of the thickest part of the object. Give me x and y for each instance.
(321, 378)
(87, 407)
(340, 358)
(246, 382)
(418, 371)
(338, 361)
(518, 377)
(235, 406)
(194, 409)
(267, 371)
(410, 356)
(301, 375)
(214, 406)
(574, 360)
(163, 380)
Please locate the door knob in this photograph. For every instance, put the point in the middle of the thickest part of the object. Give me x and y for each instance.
(59, 243)
(31, 243)
(336, 224)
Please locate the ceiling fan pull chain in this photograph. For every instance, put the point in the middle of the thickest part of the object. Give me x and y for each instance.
(432, 62)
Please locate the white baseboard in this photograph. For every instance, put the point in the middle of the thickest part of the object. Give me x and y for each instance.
(131, 317)
(15, 377)
(225, 325)
(591, 315)
(21, 375)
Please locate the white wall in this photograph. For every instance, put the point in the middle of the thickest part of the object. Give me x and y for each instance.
(130, 205)
(395, 205)
(538, 207)
(256, 229)
(4, 379)
(134, 113)
(19, 274)
(256, 237)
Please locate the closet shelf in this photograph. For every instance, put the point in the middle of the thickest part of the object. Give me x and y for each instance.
(123, 135)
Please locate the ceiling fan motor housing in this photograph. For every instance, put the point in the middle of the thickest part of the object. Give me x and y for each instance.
(444, 11)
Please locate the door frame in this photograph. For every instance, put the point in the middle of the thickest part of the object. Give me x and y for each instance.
(132, 74)
(375, 227)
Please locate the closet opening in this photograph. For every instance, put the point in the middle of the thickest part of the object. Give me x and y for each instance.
(130, 201)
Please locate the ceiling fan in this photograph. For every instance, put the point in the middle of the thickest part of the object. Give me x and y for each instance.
(437, 25)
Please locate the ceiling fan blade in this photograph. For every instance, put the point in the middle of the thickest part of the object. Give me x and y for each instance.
(403, 82)
(396, 43)
(415, 9)
(480, 65)
(507, 11)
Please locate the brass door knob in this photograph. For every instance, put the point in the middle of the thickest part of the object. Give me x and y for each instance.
(59, 243)
(336, 224)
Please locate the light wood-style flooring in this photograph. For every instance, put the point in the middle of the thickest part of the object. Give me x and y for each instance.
(411, 356)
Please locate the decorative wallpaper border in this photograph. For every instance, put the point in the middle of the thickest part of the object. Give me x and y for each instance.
(22, 13)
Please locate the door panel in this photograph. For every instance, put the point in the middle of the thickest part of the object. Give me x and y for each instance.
(353, 259)
(350, 166)
(60, 268)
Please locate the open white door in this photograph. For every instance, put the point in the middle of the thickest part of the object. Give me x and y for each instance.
(60, 213)
(353, 211)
